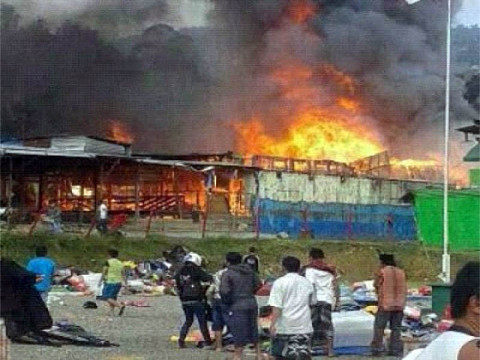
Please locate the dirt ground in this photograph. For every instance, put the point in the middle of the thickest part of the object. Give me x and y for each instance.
(143, 334)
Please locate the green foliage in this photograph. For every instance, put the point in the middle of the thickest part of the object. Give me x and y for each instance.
(354, 260)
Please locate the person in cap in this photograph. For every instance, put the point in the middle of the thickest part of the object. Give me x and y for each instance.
(391, 288)
(462, 340)
(252, 259)
(190, 281)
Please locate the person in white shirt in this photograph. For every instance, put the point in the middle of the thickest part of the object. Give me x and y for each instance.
(323, 277)
(291, 326)
(102, 217)
(462, 340)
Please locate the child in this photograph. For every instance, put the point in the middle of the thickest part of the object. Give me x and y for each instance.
(113, 276)
(43, 267)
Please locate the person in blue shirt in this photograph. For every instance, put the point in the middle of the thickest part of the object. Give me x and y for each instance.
(43, 266)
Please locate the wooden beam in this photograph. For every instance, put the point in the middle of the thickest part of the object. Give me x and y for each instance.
(137, 193)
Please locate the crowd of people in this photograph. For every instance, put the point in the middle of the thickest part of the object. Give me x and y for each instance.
(301, 302)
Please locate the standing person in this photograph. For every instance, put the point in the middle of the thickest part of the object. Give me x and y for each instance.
(218, 308)
(191, 293)
(114, 277)
(54, 217)
(391, 288)
(237, 289)
(461, 341)
(102, 217)
(42, 266)
(323, 277)
(291, 328)
(252, 259)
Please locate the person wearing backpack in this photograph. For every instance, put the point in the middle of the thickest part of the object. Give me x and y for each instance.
(191, 292)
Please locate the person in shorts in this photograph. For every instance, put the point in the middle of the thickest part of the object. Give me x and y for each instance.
(323, 277)
(237, 290)
(113, 277)
(291, 327)
(219, 312)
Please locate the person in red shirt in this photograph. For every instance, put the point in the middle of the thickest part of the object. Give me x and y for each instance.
(391, 287)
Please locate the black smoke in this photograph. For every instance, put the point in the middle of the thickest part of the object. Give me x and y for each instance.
(69, 79)
(179, 89)
(394, 51)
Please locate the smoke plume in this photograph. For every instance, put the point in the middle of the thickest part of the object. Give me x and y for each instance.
(179, 89)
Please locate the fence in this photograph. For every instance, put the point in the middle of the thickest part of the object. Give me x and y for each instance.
(337, 221)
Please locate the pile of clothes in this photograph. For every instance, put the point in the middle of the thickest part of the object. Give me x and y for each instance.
(27, 319)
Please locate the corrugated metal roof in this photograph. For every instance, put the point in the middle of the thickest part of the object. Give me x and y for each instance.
(28, 150)
(159, 162)
(220, 164)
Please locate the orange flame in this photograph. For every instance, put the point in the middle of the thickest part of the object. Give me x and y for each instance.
(413, 163)
(314, 134)
(119, 132)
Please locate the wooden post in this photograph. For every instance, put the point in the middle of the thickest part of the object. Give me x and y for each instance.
(177, 196)
(92, 225)
(99, 197)
(34, 225)
(40, 192)
(257, 205)
(204, 225)
(10, 184)
(137, 193)
(149, 223)
(21, 196)
(82, 200)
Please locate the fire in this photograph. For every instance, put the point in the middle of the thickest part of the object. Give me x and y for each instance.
(119, 132)
(348, 104)
(314, 134)
(315, 111)
(317, 128)
(342, 80)
(412, 163)
(300, 11)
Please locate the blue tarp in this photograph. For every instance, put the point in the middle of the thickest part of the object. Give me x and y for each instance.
(337, 221)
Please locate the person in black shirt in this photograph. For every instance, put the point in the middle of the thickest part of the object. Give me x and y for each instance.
(191, 291)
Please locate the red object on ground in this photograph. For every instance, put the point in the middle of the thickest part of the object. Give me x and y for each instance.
(425, 290)
(117, 221)
(444, 325)
(264, 290)
(77, 283)
(447, 313)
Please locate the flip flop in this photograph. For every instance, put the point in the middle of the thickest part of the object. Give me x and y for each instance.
(122, 310)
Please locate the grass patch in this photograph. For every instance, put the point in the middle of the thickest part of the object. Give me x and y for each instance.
(355, 260)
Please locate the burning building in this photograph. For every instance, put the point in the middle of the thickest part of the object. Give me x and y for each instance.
(331, 112)
(78, 171)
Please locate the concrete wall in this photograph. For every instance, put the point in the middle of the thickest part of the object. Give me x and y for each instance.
(295, 187)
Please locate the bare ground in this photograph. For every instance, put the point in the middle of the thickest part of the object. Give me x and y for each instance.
(143, 334)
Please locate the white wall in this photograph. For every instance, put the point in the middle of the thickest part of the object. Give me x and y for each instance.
(294, 187)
